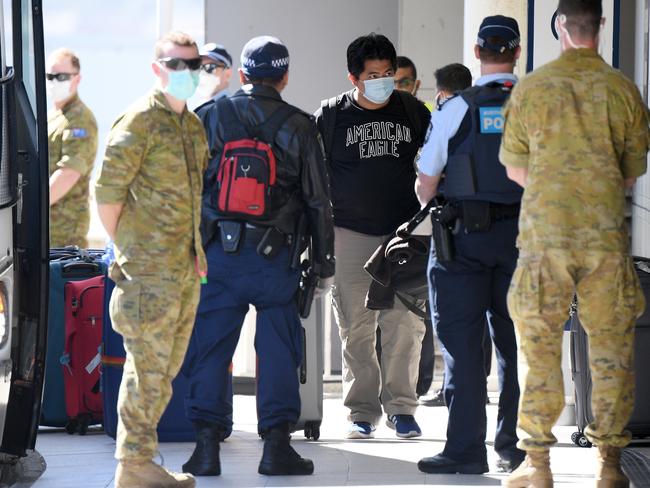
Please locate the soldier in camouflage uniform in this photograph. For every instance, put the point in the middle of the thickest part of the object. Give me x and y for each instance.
(72, 134)
(149, 197)
(576, 136)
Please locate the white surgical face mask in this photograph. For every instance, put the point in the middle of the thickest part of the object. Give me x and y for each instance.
(208, 83)
(379, 90)
(58, 91)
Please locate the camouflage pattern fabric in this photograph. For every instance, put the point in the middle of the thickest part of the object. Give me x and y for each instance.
(154, 311)
(154, 166)
(72, 141)
(580, 127)
(609, 300)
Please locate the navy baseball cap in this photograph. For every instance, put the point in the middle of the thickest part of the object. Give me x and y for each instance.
(217, 53)
(264, 57)
(499, 26)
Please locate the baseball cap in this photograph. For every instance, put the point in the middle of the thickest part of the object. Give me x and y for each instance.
(499, 26)
(217, 52)
(264, 57)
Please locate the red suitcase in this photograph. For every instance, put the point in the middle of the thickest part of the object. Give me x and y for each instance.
(81, 360)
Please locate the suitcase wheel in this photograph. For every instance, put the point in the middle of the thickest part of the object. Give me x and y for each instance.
(79, 424)
(579, 439)
(71, 426)
(312, 430)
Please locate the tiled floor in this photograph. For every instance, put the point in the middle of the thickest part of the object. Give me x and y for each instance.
(87, 462)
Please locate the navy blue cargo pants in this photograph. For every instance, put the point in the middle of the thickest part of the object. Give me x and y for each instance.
(462, 293)
(234, 282)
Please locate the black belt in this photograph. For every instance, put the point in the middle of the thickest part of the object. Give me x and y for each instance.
(499, 211)
(253, 234)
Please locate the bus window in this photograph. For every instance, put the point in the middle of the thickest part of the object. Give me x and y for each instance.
(28, 67)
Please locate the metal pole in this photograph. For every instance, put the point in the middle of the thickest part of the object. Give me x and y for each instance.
(165, 15)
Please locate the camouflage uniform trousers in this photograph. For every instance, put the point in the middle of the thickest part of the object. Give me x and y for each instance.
(154, 311)
(609, 300)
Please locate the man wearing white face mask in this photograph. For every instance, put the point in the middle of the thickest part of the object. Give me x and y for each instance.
(371, 136)
(216, 71)
(149, 200)
(72, 140)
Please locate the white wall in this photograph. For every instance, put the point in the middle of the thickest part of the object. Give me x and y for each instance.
(476, 10)
(431, 35)
(316, 32)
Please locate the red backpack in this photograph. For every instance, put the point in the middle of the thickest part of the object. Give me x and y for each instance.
(246, 175)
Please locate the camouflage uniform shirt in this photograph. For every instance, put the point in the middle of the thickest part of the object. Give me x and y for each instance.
(72, 134)
(580, 128)
(154, 165)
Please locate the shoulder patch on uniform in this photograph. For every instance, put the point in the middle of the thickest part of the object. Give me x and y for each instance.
(79, 132)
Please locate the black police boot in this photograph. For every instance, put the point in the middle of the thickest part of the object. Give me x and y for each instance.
(205, 458)
(279, 458)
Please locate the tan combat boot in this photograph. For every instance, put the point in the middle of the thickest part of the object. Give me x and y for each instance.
(608, 472)
(150, 475)
(534, 472)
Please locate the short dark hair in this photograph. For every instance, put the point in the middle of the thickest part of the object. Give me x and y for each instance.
(582, 17)
(489, 56)
(453, 77)
(372, 46)
(404, 62)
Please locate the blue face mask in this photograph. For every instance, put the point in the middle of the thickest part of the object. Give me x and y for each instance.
(379, 90)
(182, 84)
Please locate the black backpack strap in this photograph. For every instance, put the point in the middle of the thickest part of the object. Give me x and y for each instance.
(411, 107)
(329, 107)
(232, 124)
(270, 128)
(411, 305)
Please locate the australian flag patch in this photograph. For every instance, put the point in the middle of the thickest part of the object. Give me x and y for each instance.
(79, 132)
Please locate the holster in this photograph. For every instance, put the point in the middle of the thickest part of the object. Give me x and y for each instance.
(305, 293)
(231, 234)
(443, 242)
(443, 218)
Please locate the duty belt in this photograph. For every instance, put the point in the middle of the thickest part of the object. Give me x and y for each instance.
(499, 211)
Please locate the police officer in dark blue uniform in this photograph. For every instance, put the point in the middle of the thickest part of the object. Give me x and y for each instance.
(266, 176)
(463, 144)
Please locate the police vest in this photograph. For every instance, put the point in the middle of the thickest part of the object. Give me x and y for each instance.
(473, 170)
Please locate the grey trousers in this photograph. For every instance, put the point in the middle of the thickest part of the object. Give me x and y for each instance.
(401, 337)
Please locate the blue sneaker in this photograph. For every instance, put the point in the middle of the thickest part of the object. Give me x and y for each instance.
(404, 426)
(361, 430)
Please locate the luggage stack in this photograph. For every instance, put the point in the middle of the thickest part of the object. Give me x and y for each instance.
(71, 394)
(639, 424)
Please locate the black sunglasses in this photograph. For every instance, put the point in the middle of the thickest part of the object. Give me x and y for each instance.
(210, 67)
(179, 64)
(59, 76)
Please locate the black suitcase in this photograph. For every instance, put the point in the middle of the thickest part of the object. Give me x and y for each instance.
(639, 423)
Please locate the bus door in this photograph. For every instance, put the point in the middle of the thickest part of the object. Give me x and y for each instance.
(24, 232)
